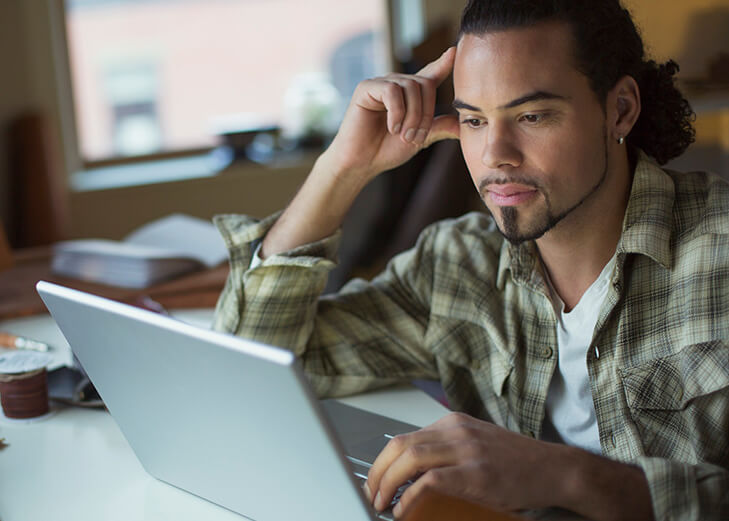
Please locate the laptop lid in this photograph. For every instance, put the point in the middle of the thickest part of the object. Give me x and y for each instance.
(230, 420)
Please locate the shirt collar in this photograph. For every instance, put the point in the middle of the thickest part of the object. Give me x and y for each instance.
(646, 227)
(648, 219)
(521, 261)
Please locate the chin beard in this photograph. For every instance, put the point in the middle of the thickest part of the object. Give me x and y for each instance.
(510, 227)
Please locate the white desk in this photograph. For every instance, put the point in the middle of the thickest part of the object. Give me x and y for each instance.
(75, 464)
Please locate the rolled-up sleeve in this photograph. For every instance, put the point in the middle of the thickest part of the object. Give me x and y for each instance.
(254, 298)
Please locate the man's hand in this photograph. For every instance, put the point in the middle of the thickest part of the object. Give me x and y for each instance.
(465, 457)
(390, 118)
(476, 460)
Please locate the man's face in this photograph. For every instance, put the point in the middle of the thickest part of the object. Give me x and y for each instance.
(532, 130)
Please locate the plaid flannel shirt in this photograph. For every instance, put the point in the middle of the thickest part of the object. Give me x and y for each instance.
(473, 311)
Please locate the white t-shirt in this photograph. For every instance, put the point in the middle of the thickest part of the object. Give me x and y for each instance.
(256, 260)
(570, 411)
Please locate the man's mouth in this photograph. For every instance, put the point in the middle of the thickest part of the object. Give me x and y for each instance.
(511, 194)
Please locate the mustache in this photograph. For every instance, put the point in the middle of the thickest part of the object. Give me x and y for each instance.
(503, 180)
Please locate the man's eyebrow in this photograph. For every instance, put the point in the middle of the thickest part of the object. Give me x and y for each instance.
(458, 104)
(534, 96)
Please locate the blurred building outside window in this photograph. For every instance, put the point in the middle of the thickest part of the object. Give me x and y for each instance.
(158, 76)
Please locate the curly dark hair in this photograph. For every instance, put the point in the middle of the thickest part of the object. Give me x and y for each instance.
(607, 47)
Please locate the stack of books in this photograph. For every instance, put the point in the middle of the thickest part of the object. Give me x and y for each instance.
(161, 250)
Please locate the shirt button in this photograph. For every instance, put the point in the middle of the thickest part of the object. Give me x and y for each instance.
(679, 393)
(612, 440)
(547, 352)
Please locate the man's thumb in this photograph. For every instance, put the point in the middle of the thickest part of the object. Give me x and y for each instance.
(443, 127)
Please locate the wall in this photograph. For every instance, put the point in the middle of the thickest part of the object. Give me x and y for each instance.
(437, 11)
(689, 32)
(31, 67)
(692, 33)
(14, 86)
(242, 188)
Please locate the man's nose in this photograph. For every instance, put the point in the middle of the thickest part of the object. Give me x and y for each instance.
(501, 148)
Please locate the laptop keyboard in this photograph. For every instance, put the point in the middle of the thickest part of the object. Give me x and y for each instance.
(360, 469)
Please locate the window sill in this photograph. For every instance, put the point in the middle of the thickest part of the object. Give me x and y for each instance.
(210, 164)
(151, 172)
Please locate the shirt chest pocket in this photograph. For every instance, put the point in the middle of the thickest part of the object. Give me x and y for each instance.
(680, 403)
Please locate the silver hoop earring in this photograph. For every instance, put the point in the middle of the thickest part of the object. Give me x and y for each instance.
(621, 140)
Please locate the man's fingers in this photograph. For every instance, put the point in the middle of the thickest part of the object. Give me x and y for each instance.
(413, 92)
(413, 124)
(412, 462)
(420, 93)
(394, 448)
(402, 98)
(385, 458)
(396, 107)
(428, 95)
(409, 101)
(438, 432)
(383, 96)
(445, 480)
(439, 69)
(434, 73)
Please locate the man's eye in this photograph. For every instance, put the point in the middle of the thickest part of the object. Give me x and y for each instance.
(532, 118)
(472, 122)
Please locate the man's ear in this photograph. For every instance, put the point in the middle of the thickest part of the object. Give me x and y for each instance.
(623, 107)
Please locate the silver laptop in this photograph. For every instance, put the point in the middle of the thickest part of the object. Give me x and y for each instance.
(230, 420)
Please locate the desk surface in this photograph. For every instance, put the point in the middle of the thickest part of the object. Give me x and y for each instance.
(76, 464)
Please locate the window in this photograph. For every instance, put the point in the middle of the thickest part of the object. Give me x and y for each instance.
(164, 76)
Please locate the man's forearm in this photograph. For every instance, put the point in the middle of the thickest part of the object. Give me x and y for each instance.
(603, 489)
(317, 210)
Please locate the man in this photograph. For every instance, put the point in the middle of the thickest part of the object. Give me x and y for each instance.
(587, 351)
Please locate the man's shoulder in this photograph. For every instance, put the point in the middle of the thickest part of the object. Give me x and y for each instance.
(701, 204)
